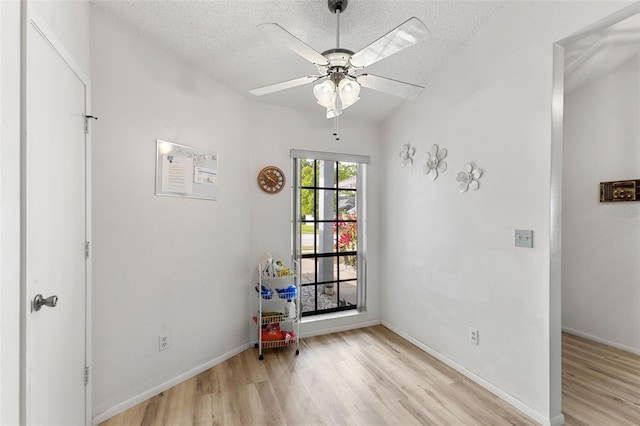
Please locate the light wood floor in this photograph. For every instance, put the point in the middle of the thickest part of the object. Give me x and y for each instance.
(371, 376)
(600, 384)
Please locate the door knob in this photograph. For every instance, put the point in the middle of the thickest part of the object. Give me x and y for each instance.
(40, 301)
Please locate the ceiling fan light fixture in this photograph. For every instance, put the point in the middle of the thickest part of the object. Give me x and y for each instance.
(339, 106)
(325, 93)
(340, 76)
(346, 105)
(348, 90)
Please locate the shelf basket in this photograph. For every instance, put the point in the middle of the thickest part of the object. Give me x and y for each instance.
(270, 319)
(275, 295)
(270, 344)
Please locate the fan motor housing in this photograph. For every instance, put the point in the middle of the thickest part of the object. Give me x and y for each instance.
(335, 5)
(338, 57)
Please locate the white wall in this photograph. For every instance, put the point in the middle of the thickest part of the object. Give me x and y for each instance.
(446, 260)
(601, 241)
(274, 132)
(450, 261)
(9, 212)
(69, 21)
(183, 267)
(162, 265)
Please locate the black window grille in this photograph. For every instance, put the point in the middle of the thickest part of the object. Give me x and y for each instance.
(329, 236)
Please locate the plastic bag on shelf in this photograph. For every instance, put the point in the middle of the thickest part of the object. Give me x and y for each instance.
(272, 332)
(272, 268)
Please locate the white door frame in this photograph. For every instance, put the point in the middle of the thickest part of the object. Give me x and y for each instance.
(33, 19)
(555, 237)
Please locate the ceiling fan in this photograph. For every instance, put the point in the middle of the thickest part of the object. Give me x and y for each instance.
(340, 71)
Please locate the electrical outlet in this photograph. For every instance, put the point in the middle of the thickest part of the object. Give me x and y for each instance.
(163, 343)
(474, 336)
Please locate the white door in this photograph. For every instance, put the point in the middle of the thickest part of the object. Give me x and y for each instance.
(55, 224)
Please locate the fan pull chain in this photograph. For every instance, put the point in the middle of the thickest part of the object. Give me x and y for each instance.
(335, 128)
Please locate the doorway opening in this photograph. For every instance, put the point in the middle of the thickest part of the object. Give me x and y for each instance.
(595, 278)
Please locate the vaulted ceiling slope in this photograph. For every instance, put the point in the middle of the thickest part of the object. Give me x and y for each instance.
(598, 54)
(221, 39)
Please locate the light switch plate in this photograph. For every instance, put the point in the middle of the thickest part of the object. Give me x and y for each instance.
(524, 238)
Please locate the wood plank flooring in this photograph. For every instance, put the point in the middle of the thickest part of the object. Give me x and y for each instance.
(600, 384)
(371, 376)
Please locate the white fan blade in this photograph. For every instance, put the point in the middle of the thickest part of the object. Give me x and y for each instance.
(292, 42)
(393, 87)
(404, 35)
(284, 85)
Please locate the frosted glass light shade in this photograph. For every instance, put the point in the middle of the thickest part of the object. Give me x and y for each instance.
(349, 91)
(325, 93)
(346, 105)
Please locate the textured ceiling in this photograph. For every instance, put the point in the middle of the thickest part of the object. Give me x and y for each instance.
(221, 38)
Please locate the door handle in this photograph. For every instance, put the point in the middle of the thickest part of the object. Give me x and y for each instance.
(40, 301)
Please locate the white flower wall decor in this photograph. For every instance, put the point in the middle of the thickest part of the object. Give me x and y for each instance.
(406, 155)
(469, 178)
(435, 163)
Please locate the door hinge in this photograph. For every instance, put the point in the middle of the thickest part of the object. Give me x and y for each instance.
(86, 123)
(87, 249)
(86, 375)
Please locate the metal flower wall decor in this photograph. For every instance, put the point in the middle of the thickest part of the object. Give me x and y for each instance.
(469, 178)
(435, 163)
(406, 155)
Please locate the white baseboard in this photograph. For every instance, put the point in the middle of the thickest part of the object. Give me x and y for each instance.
(125, 405)
(516, 403)
(557, 420)
(332, 329)
(597, 339)
(337, 328)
